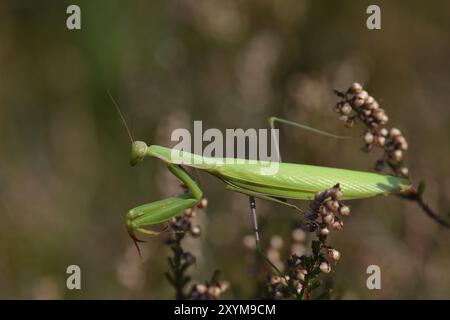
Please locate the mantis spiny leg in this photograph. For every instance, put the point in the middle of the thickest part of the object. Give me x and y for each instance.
(163, 210)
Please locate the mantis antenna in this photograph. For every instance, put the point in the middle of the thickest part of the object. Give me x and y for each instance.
(121, 116)
(135, 240)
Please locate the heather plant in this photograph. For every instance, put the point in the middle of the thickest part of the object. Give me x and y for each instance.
(357, 105)
(181, 260)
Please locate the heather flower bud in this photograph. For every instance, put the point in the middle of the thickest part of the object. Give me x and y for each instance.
(324, 211)
(298, 287)
(224, 285)
(378, 114)
(344, 210)
(214, 291)
(401, 141)
(190, 213)
(367, 112)
(324, 231)
(404, 146)
(395, 132)
(203, 203)
(337, 225)
(358, 101)
(374, 105)
(397, 155)
(404, 171)
(333, 205)
(384, 132)
(380, 141)
(369, 101)
(346, 109)
(201, 288)
(368, 137)
(328, 219)
(335, 192)
(334, 254)
(300, 274)
(325, 267)
(363, 95)
(195, 231)
(355, 88)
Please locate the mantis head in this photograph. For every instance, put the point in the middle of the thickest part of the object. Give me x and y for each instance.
(138, 152)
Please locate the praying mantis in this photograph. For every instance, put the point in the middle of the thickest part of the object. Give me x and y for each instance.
(291, 181)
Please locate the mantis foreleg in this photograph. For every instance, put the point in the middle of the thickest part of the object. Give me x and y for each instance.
(163, 210)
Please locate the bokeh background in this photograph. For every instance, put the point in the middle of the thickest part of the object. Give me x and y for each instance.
(65, 182)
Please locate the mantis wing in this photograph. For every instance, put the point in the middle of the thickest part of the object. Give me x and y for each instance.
(298, 181)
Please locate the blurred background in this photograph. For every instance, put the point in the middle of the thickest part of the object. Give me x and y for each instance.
(65, 182)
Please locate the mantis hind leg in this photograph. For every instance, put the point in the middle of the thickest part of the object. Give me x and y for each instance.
(251, 196)
(258, 242)
(163, 210)
(272, 120)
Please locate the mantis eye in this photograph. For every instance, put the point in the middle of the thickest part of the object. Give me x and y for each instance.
(138, 152)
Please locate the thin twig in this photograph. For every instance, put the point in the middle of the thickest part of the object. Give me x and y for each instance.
(415, 196)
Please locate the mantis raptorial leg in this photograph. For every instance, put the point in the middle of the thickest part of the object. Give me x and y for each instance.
(160, 211)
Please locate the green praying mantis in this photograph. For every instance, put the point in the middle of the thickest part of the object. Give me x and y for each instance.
(291, 181)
